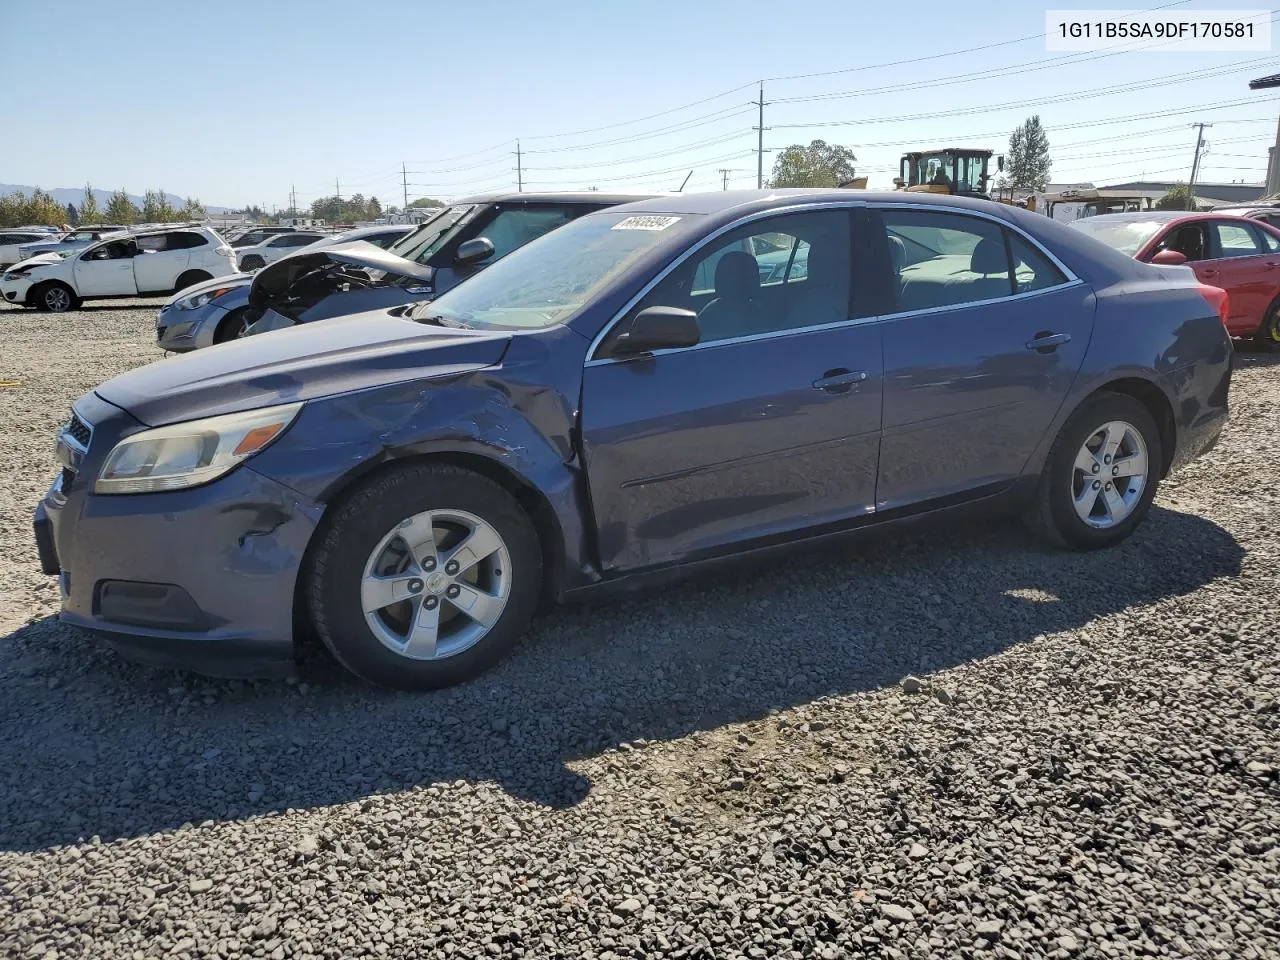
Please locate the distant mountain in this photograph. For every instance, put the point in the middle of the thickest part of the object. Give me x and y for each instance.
(65, 195)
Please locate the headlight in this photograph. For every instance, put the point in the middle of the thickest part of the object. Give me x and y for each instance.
(17, 274)
(200, 299)
(189, 454)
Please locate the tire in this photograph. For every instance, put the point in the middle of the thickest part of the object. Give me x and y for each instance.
(231, 326)
(362, 546)
(190, 279)
(1054, 515)
(1267, 336)
(54, 297)
(252, 263)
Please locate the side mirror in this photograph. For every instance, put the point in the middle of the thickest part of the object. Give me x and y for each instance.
(657, 328)
(1169, 258)
(473, 251)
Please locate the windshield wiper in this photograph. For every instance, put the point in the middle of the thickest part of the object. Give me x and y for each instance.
(420, 314)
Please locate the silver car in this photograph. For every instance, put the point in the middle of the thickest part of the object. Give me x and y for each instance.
(213, 311)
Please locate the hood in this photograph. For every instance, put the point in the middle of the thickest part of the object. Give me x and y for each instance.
(227, 280)
(301, 363)
(275, 278)
(39, 260)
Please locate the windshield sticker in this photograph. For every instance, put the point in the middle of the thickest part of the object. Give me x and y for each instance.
(645, 223)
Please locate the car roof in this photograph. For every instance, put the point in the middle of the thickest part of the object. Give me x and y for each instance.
(585, 196)
(1162, 216)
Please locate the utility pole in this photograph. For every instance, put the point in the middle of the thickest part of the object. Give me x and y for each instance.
(337, 188)
(293, 200)
(405, 179)
(519, 170)
(724, 177)
(760, 141)
(1195, 164)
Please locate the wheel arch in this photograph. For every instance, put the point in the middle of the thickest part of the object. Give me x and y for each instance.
(1158, 405)
(531, 499)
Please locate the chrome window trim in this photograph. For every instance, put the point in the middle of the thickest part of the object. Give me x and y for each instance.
(1071, 281)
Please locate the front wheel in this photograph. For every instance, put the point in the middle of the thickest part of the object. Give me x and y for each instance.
(1101, 475)
(231, 326)
(424, 577)
(55, 297)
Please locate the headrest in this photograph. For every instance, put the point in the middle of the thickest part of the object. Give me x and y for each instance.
(737, 275)
(989, 257)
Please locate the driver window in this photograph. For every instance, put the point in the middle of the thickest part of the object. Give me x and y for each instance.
(784, 273)
(1189, 240)
(119, 250)
(514, 228)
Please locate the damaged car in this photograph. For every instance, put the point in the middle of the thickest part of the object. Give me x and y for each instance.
(460, 240)
(621, 401)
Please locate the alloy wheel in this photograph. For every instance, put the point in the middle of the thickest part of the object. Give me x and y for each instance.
(1110, 474)
(57, 300)
(436, 584)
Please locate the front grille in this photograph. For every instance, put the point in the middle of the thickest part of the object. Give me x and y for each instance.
(79, 431)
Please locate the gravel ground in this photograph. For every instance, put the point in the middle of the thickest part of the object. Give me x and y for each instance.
(950, 744)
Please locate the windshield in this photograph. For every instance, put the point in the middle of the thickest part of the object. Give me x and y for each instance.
(432, 235)
(545, 282)
(1127, 236)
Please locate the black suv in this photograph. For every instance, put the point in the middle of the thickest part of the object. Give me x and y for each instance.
(458, 241)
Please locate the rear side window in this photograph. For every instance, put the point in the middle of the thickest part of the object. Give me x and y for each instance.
(1032, 270)
(1270, 242)
(185, 240)
(946, 259)
(155, 243)
(1236, 240)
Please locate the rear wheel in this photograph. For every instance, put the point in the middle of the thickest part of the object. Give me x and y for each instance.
(190, 279)
(424, 577)
(55, 297)
(1101, 475)
(1267, 336)
(253, 262)
(231, 326)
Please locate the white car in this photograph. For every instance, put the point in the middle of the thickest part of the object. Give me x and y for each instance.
(11, 240)
(272, 249)
(147, 263)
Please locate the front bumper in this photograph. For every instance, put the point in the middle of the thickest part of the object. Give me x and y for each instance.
(199, 579)
(15, 291)
(180, 331)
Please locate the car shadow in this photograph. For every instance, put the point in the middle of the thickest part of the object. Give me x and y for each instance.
(107, 748)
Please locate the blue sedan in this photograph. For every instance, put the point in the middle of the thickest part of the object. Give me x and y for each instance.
(632, 396)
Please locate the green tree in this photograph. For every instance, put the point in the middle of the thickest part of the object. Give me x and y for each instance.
(89, 212)
(373, 209)
(428, 202)
(10, 206)
(73, 215)
(120, 210)
(156, 208)
(820, 164)
(1028, 163)
(1178, 198)
(192, 210)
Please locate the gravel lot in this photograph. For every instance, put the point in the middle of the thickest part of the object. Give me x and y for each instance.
(1090, 766)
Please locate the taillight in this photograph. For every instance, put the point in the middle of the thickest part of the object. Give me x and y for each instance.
(1218, 299)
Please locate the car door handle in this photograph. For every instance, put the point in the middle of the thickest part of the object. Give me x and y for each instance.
(1046, 342)
(839, 380)
(1209, 272)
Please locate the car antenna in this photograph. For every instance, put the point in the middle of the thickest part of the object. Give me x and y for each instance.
(686, 180)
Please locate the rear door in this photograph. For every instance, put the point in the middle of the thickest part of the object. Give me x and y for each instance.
(978, 358)
(106, 270)
(768, 427)
(158, 265)
(1241, 263)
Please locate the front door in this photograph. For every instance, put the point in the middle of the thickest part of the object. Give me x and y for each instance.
(768, 426)
(106, 270)
(977, 363)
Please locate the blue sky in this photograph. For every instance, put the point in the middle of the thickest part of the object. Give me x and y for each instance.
(235, 101)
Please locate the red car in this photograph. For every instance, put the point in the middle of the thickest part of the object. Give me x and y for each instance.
(1238, 254)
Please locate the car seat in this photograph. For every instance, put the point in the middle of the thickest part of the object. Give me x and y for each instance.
(735, 311)
(824, 296)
